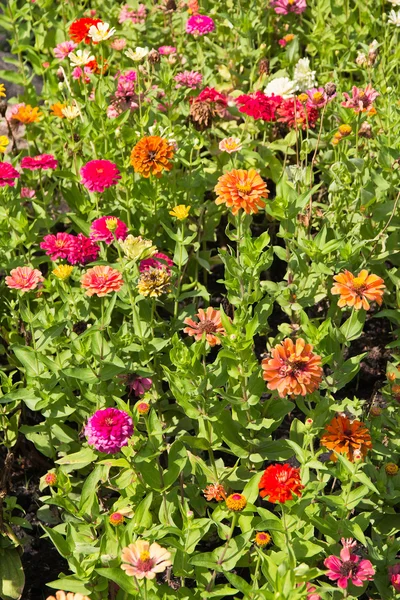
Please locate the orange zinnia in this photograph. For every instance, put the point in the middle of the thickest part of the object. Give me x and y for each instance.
(56, 110)
(215, 491)
(241, 189)
(27, 114)
(346, 437)
(151, 156)
(293, 370)
(356, 291)
(209, 324)
(101, 280)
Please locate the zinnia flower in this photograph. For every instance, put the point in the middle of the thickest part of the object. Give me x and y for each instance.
(262, 538)
(57, 110)
(356, 291)
(63, 272)
(83, 250)
(101, 280)
(283, 7)
(80, 58)
(118, 44)
(230, 144)
(26, 114)
(97, 175)
(135, 16)
(145, 560)
(4, 141)
(154, 282)
(360, 100)
(116, 519)
(180, 212)
(280, 86)
(318, 98)
(394, 17)
(296, 114)
(7, 174)
(106, 229)
(64, 49)
(293, 369)
(27, 193)
(189, 79)
(394, 575)
(215, 491)
(136, 248)
(241, 189)
(143, 408)
(40, 161)
(139, 54)
(199, 25)
(58, 246)
(164, 262)
(24, 279)
(350, 438)
(167, 50)
(280, 482)
(303, 76)
(208, 325)
(259, 106)
(152, 155)
(349, 567)
(79, 30)
(60, 595)
(70, 112)
(236, 502)
(109, 429)
(101, 32)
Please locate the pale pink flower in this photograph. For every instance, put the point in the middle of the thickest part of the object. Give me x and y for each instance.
(27, 193)
(145, 560)
(189, 79)
(360, 100)
(24, 279)
(283, 7)
(118, 44)
(230, 144)
(64, 49)
(167, 50)
(135, 16)
(108, 430)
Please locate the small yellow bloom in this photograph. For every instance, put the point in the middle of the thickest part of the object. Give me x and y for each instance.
(391, 469)
(236, 502)
(70, 112)
(2, 90)
(63, 272)
(180, 212)
(345, 130)
(302, 97)
(112, 224)
(4, 141)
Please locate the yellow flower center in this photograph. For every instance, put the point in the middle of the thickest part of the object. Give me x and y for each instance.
(144, 556)
(111, 224)
(358, 283)
(317, 96)
(244, 188)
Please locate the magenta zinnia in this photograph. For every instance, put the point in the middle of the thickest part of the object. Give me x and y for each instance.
(199, 25)
(97, 175)
(58, 246)
(41, 161)
(283, 7)
(7, 174)
(83, 250)
(349, 567)
(107, 229)
(108, 430)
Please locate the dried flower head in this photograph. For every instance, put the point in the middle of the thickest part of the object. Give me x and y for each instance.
(391, 469)
(215, 491)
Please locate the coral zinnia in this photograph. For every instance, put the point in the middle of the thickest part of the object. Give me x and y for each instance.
(349, 567)
(293, 370)
(152, 155)
(58, 246)
(108, 430)
(356, 291)
(346, 437)
(101, 280)
(97, 175)
(241, 189)
(7, 174)
(145, 560)
(208, 325)
(60, 595)
(215, 491)
(106, 229)
(79, 29)
(24, 279)
(280, 482)
(40, 161)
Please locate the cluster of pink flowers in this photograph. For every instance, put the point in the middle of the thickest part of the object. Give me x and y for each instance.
(40, 161)
(125, 96)
(107, 229)
(283, 7)
(199, 25)
(360, 100)
(189, 79)
(76, 249)
(157, 261)
(24, 279)
(259, 106)
(108, 430)
(135, 16)
(64, 49)
(97, 175)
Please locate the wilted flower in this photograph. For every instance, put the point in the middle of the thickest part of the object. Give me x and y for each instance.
(199, 25)
(107, 229)
(109, 429)
(100, 32)
(360, 100)
(145, 560)
(40, 161)
(63, 272)
(152, 155)
(391, 469)
(349, 567)
(154, 282)
(137, 248)
(280, 86)
(358, 291)
(209, 326)
(215, 491)
(180, 212)
(344, 436)
(97, 175)
(236, 502)
(7, 174)
(101, 280)
(24, 279)
(279, 483)
(241, 189)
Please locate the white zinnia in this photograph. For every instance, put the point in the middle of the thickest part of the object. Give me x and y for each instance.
(80, 58)
(139, 53)
(281, 86)
(101, 32)
(304, 77)
(394, 18)
(395, 2)
(70, 112)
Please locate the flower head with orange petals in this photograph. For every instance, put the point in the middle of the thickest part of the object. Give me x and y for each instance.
(57, 110)
(293, 369)
(280, 482)
(358, 291)
(347, 437)
(101, 280)
(27, 114)
(236, 502)
(215, 491)
(209, 324)
(152, 155)
(241, 189)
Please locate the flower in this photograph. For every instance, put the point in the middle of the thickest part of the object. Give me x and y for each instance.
(283, 7)
(116, 519)
(310, 589)
(101, 32)
(83, 250)
(63, 272)
(27, 193)
(394, 18)
(2, 90)
(109, 429)
(215, 491)
(70, 112)
(199, 25)
(118, 44)
(297, 114)
(345, 129)
(80, 58)
(394, 574)
(280, 86)
(357, 291)
(345, 437)
(391, 469)
(40, 161)
(293, 369)
(50, 478)
(318, 97)
(304, 77)
(101, 280)
(236, 502)
(241, 189)
(154, 282)
(139, 385)
(26, 114)
(24, 279)
(152, 155)
(180, 212)
(60, 595)
(348, 567)
(262, 539)
(135, 16)
(139, 54)
(136, 248)
(58, 246)
(64, 49)
(208, 325)
(143, 408)
(106, 229)
(167, 50)
(99, 174)
(189, 79)
(79, 29)
(360, 100)
(57, 110)
(230, 144)
(144, 560)
(7, 174)
(4, 141)
(280, 482)
(164, 262)
(258, 105)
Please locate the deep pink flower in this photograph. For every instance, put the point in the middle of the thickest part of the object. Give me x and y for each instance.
(310, 592)
(166, 50)
(394, 575)
(283, 7)
(83, 74)
(27, 193)
(41, 161)
(210, 94)
(259, 106)
(24, 279)
(106, 229)
(164, 262)
(83, 250)
(58, 246)
(318, 98)
(360, 100)
(108, 430)
(349, 567)
(64, 49)
(126, 85)
(7, 174)
(199, 25)
(189, 79)
(97, 175)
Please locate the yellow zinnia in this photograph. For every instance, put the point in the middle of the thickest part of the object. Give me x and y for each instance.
(180, 212)
(2, 90)
(4, 141)
(63, 272)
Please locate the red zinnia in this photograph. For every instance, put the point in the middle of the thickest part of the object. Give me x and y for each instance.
(258, 105)
(279, 482)
(79, 30)
(294, 113)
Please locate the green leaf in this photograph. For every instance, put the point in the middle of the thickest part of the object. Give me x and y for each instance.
(239, 583)
(12, 578)
(77, 461)
(119, 577)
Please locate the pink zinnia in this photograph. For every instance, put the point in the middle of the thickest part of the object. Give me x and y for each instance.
(135, 16)
(394, 575)
(189, 79)
(58, 246)
(27, 193)
(64, 49)
(118, 44)
(140, 385)
(97, 175)
(258, 105)
(83, 250)
(126, 85)
(199, 25)
(41, 161)
(283, 7)
(106, 229)
(7, 174)
(108, 430)
(164, 262)
(166, 50)
(349, 567)
(24, 279)
(318, 98)
(360, 100)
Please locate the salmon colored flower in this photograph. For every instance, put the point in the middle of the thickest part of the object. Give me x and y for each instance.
(293, 369)
(236, 502)
(24, 279)
(79, 30)
(347, 437)
(60, 595)
(230, 144)
(280, 482)
(152, 155)
(356, 291)
(241, 189)
(27, 114)
(145, 560)
(101, 280)
(262, 538)
(208, 325)
(57, 110)
(215, 491)
(360, 100)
